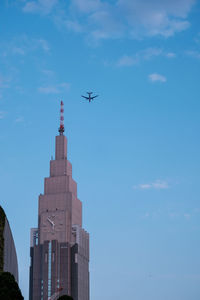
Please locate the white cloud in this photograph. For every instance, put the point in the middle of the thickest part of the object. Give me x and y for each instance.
(151, 52)
(87, 6)
(64, 85)
(170, 55)
(147, 54)
(156, 17)
(145, 186)
(138, 18)
(2, 115)
(195, 54)
(48, 90)
(173, 214)
(19, 120)
(4, 82)
(40, 6)
(31, 6)
(187, 216)
(73, 25)
(21, 45)
(41, 43)
(126, 60)
(157, 185)
(116, 19)
(54, 89)
(18, 50)
(146, 215)
(48, 73)
(157, 77)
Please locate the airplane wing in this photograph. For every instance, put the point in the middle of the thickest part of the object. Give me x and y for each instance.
(94, 96)
(85, 97)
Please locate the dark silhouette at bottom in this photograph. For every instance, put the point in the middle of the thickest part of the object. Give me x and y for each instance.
(9, 289)
(65, 297)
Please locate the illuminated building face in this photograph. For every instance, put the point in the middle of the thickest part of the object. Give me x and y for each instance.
(59, 246)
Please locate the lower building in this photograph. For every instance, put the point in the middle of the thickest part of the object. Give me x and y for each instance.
(8, 256)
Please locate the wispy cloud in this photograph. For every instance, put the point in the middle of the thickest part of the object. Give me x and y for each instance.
(22, 45)
(121, 18)
(73, 25)
(49, 90)
(48, 73)
(154, 77)
(19, 119)
(4, 82)
(171, 55)
(195, 54)
(187, 216)
(183, 215)
(54, 89)
(127, 61)
(88, 6)
(136, 17)
(173, 215)
(18, 50)
(40, 6)
(146, 215)
(2, 115)
(146, 54)
(143, 55)
(41, 43)
(157, 185)
(151, 214)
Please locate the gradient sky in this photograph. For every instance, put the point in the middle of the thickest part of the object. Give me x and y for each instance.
(134, 151)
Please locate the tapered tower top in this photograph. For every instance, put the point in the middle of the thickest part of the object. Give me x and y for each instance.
(61, 128)
(61, 140)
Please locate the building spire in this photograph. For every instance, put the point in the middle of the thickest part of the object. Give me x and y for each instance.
(61, 128)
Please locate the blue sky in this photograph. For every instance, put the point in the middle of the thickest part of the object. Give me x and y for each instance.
(134, 151)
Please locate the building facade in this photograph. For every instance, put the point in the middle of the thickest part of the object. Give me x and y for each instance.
(8, 256)
(59, 246)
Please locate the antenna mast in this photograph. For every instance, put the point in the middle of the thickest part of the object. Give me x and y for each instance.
(61, 128)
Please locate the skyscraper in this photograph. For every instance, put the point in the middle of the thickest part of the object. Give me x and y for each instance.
(59, 246)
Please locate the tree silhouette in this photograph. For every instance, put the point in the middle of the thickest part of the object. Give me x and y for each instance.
(9, 289)
(65, 297)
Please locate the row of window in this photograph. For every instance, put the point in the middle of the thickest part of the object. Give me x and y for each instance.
(47, 255)
(49, 270)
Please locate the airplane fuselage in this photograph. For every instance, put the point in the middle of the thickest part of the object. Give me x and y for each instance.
(89, 98)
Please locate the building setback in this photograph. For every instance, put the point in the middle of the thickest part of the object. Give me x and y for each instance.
(8, 256)
(59, 246)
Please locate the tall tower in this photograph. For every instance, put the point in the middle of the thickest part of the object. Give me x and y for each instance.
(59, 246)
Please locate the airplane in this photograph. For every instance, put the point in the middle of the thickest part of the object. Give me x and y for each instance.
(89, 98)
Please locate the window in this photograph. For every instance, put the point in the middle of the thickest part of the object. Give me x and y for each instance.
(49, 270)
